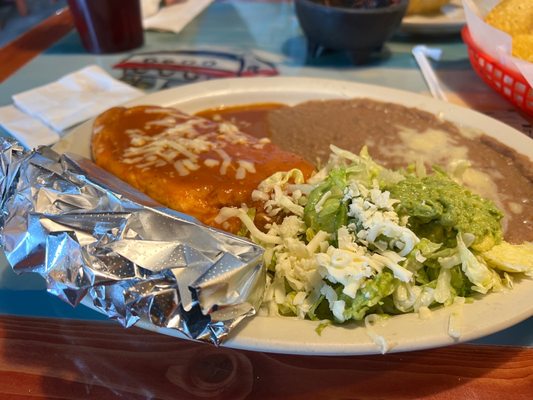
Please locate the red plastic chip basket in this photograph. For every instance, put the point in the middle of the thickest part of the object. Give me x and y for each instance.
(510, 84)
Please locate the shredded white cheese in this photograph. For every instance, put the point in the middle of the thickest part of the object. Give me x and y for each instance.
(456, 316)
(371, 321)
(181, 142)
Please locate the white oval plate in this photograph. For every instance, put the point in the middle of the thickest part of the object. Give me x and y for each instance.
(492, 313)
(449, 20)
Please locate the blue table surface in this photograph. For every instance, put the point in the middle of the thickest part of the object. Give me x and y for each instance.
(234, 26)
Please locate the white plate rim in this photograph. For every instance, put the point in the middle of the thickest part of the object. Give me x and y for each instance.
(291, 336)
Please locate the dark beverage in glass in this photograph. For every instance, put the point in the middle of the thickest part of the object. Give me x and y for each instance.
(108, 26)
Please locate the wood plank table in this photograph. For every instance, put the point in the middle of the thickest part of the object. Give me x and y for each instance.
(50, 352)
(57, 358)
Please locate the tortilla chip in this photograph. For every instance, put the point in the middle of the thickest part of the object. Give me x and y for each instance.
(512, 16)
(425, 6)
(511, 257)
(523, 47)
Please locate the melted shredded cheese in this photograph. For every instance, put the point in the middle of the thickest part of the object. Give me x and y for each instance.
(181, 143)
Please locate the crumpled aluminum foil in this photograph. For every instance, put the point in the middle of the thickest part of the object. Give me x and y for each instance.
(93, 237)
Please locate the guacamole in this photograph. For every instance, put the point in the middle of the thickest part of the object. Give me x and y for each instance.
(439, 209)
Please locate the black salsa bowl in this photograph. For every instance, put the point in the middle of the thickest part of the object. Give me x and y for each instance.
(359, 27)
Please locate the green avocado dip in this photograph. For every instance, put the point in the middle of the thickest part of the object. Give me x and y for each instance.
(439, 209)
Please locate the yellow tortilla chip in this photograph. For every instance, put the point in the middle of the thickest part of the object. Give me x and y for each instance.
(511, 257)
(425, 6)
(523, 47)
(512, 16)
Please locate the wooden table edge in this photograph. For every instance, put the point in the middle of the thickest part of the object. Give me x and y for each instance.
(30, 44)
(74, 326)
(63, 358)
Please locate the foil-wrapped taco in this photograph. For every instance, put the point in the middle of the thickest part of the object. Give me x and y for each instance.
(95, 239)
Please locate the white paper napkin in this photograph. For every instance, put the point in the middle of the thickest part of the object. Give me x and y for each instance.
(29, 131)
(149, 8)
(174, 18)
(75, 98)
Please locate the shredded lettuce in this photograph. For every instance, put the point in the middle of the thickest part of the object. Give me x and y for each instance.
(325, 209)
(475, 269)
(369, 296)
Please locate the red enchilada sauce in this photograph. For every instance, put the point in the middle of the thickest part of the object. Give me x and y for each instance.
(250, 118)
